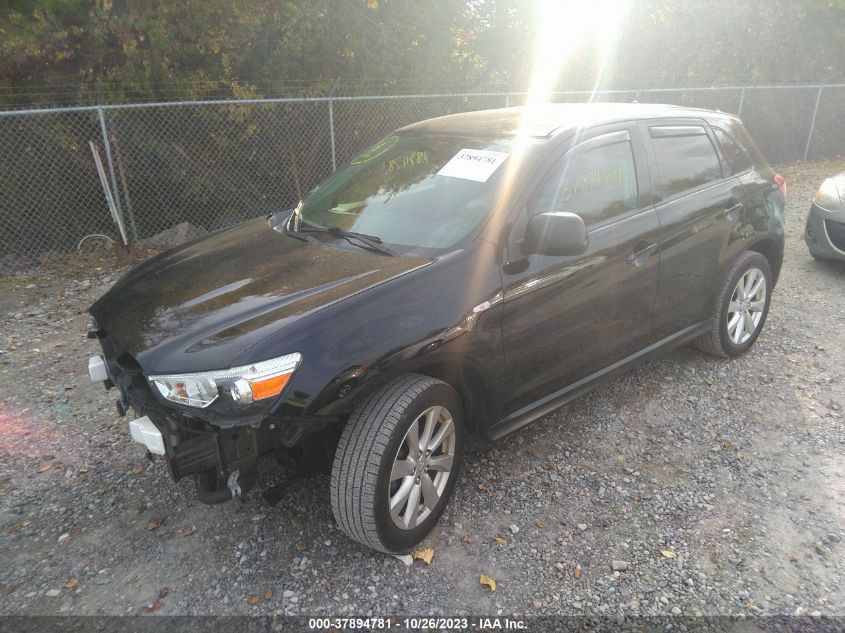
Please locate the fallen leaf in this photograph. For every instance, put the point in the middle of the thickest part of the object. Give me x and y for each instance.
(820, 348)
(255, 600)
(577, 573)
(753, 607)
(17, 525)
(425, 555)
(8, 588)
(539, 524)
(668, 553)
(139, 469)
(187, 531)
(44, 468)
(154, 523)
(793, 559)
(303, 547)
(468, 538)
(162, 593)
(500, 540)
(488, 582)
(483, 488)
(268, 594)
(72, 584)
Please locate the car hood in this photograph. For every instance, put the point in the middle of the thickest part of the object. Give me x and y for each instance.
(199, 306)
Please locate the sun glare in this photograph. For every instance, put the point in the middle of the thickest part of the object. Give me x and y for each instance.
(563, 26)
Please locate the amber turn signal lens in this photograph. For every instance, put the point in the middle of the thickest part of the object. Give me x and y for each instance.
(269, 387)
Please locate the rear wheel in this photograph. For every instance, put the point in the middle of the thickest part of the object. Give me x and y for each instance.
(741, 309)
(397, 462)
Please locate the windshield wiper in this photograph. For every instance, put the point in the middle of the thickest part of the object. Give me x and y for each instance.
(369, 241)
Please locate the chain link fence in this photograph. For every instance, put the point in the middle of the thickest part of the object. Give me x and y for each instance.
(215, 163)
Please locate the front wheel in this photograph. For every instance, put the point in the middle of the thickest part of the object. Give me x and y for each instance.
(741, 309)
(397, 462)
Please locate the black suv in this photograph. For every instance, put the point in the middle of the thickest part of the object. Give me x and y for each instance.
(467, 273)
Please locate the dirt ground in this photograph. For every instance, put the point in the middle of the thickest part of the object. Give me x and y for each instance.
(717, 486)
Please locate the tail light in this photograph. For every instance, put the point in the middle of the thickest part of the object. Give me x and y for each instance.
(781, 183)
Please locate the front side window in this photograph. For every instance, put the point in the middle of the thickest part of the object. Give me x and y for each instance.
(420, 194)
(597, 184)
(685, 158)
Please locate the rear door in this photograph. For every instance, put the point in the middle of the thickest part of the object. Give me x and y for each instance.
(698, 208)
(568, 317)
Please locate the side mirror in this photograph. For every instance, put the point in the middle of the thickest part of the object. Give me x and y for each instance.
(555, 233)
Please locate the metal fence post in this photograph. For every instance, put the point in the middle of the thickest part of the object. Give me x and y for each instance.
(331, 133)
(813, 123)
(741, 102)
(107, 145)
(507, 100)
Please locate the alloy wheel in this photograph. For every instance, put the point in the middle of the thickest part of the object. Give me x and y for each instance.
(422, 467)
(747, 305)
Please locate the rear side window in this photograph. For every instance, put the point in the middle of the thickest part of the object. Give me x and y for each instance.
(736, 156)
(597, 183)
(685, 158)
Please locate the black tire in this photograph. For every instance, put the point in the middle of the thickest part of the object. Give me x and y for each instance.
(819, 258)
(365, 454)
(717, 341)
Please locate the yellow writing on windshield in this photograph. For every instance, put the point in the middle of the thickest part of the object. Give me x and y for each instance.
(376, 150)
(406, 160)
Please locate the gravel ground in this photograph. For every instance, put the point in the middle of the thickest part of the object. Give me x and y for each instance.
(711, 486)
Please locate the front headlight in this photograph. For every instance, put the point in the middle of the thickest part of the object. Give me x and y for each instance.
(830, 194)
(243, 384)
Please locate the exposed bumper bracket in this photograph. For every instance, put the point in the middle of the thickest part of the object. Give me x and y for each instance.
(233, 486)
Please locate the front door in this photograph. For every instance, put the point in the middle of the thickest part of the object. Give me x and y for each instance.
(568, 317)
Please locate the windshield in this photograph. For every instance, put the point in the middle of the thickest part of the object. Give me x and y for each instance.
(422, 195)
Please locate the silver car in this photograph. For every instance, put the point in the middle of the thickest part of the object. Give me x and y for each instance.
(825, 230)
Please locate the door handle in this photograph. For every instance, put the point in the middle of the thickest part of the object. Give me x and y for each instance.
(640, 254)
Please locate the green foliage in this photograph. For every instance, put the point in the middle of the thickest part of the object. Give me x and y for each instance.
(115, 50)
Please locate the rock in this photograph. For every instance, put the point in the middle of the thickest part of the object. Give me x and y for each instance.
(64, 538)
(582, 526)
(174, 236)
(619, 565)
(833, 537)
(514, 528)
(52, 593)
(676, 611)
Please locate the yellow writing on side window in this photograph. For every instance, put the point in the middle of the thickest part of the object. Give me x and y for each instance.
(592, 181)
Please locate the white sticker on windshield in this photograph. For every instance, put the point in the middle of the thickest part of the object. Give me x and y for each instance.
(473, 164)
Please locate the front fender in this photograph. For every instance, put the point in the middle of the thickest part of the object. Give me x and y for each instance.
(443, 320)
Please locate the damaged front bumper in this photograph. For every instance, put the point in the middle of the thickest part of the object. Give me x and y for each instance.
(222, 459)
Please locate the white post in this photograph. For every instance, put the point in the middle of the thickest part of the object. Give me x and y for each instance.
(107, 145)
(813, 123)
